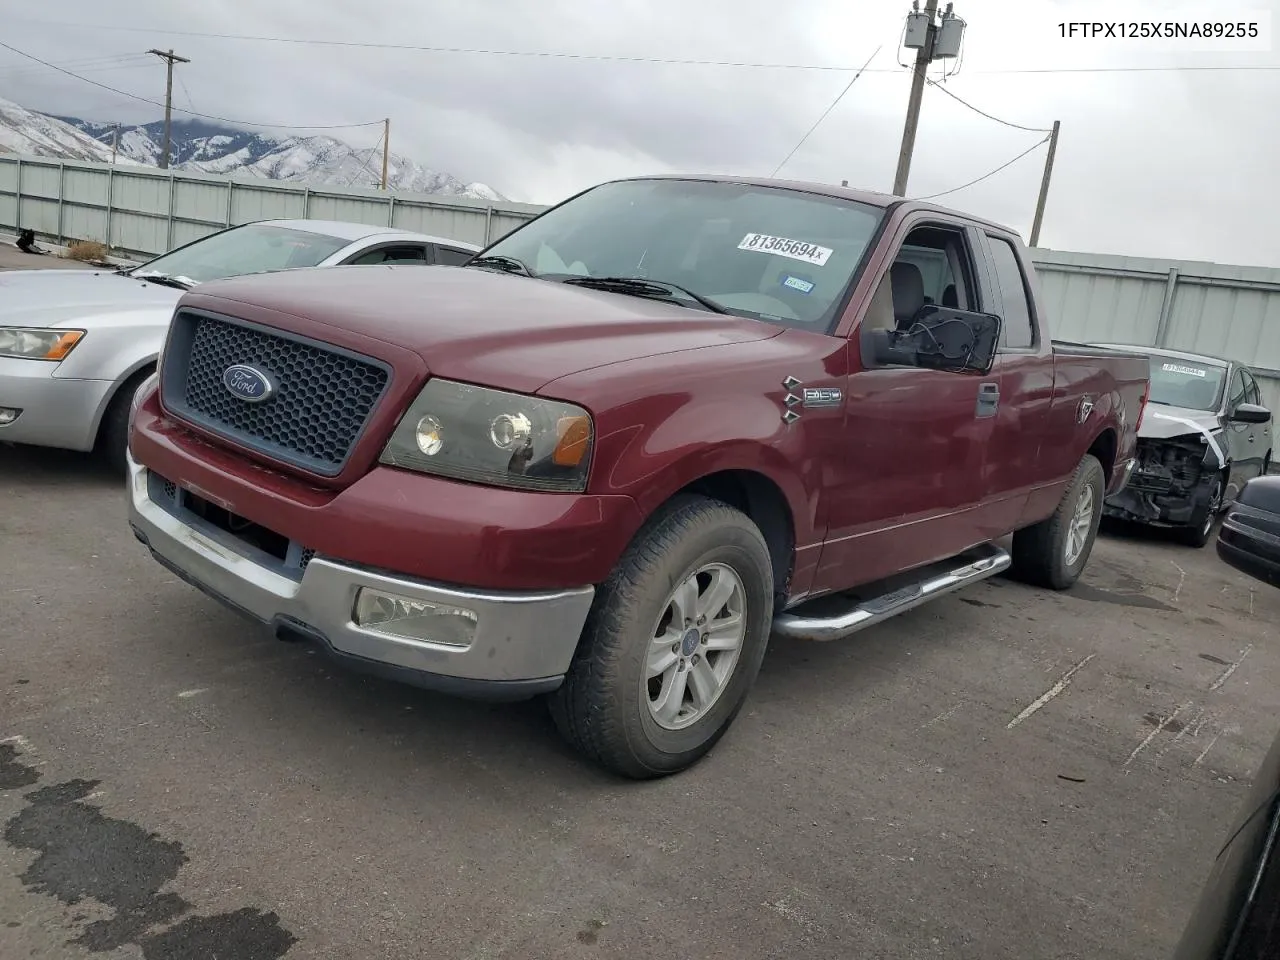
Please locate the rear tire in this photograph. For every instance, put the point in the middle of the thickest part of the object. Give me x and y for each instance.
(647, 696)
(1200, 531)
(1053, 553)
(113, 433)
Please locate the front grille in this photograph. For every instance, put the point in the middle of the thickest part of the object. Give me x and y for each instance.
(323, 395)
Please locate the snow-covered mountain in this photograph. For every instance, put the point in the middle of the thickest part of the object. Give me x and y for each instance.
(24, 131)
(214, 148)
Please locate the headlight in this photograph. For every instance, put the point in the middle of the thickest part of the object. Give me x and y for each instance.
(489, 436)
(33, 344)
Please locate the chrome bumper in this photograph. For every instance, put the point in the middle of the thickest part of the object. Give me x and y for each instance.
(521, 641)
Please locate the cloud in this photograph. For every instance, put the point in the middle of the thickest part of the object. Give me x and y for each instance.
(1155, 164)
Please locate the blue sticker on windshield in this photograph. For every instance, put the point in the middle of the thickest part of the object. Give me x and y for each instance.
(795, 283)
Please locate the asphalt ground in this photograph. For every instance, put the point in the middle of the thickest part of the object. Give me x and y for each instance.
(11, 258)
(175, 783)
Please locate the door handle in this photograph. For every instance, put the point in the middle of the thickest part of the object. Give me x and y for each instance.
(988, 400)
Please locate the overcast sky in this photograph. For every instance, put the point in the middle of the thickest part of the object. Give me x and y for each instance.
(1165, 164)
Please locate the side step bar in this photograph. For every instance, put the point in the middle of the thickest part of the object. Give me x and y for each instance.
(927, 584)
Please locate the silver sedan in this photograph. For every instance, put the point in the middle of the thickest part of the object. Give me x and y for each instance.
(76, 344)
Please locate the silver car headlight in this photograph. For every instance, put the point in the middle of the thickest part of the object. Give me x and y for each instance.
(490, 436)
(32, 343)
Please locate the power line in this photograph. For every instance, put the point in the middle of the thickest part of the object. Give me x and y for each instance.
(206, 116)
(365, 166)
(818, 122)
(558, 55)
(1016, 126)
(182, 83)
(962, 186)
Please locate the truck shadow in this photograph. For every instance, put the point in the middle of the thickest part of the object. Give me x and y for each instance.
(42, 466)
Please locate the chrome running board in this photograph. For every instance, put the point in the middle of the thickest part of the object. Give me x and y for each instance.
(837, 616)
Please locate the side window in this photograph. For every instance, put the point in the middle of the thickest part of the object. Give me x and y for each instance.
(932, 267)
(408, 254)
(1236, 392)
(373, 256)
(1017, 331)
(405, 254)
(1251, 392)
(452, 256)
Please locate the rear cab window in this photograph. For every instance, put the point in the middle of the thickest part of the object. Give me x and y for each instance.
(1018, 329)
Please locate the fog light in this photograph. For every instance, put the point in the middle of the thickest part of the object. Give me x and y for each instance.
(8, 415)
(396, 616)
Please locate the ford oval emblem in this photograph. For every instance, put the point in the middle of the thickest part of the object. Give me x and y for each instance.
(247, 383)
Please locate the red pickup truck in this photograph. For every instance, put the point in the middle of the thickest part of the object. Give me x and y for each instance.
(608, 457)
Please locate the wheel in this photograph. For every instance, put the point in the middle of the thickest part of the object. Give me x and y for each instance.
(1200, 531)
(113, 434)
(1053, 552)
(673, 643)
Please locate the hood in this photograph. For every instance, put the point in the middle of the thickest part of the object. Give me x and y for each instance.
(79, 298)
(471, 324)
(1163, 422)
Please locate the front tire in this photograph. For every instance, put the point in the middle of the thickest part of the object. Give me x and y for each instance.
(1053, 553)
(113, 434)
(673, 643)
(1201, 529)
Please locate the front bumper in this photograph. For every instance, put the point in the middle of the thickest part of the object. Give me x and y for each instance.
(56, 411)
(1169, 508)
(522, 642)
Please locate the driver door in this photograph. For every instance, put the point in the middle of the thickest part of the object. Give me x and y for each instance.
(906, 489)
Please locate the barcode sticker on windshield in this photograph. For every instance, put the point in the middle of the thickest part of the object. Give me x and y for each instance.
(784, 247)
(1179, 368)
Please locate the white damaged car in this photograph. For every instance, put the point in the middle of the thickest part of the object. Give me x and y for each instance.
(75, 345)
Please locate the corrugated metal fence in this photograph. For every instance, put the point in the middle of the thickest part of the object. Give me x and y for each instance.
(141, 211)
(1217, 309)
(1224, 310)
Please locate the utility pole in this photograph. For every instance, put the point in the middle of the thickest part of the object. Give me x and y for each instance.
(115, 143)
(932, 41)
(170, 58)
(1044, 184)
(386, 149)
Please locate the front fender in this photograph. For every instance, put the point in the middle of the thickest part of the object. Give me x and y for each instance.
(653, 460)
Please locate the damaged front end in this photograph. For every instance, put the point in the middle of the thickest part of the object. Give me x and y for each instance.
(1171, 484)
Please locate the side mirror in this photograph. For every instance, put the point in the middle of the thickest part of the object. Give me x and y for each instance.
(1251, 413)
(940, 338)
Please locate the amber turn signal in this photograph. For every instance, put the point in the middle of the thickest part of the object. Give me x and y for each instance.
(574, 440)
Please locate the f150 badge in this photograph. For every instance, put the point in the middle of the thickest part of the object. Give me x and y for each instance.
(809, 398)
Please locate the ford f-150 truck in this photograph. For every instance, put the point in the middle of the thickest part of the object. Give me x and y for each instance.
(613, 453)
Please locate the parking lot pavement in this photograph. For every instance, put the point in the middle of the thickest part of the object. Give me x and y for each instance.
(1004, 773)
(11, 258)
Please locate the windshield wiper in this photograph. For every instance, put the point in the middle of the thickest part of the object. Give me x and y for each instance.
(164, 280)
(644, 287)
(506, 264)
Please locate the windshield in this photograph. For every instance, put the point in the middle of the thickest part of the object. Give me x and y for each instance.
(253, 248)
(761, 252)
(1186, 383)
